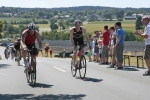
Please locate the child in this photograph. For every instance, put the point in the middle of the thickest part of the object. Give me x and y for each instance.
(89, 54)
(100, 49)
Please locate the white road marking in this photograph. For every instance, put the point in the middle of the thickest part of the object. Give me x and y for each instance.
(38, 61)
(59, 69)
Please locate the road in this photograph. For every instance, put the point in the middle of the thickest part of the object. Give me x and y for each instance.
(55, 82)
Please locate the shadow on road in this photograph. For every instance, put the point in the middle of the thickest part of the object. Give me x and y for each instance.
(41, 97)
(130, 69)
(4, 66)
(41, 85)
(90, 79)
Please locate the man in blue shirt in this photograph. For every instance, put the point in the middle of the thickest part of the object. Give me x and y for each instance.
(119, 44)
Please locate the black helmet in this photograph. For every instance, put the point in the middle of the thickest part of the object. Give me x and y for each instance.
(77, 22)
(31, 26)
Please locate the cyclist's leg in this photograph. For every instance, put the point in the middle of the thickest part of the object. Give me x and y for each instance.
(75, 50)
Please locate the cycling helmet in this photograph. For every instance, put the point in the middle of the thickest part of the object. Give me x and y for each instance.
(31, 26)
(77, 22)
(18, 39)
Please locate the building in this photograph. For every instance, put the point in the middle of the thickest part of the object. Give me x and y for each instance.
(130, 17)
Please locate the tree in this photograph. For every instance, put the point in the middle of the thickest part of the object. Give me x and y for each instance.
(60, 23)
(138, 23)
(129, 13)
(1, 26)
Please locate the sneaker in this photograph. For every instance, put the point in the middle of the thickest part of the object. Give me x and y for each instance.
(24, 64)
(118, 68)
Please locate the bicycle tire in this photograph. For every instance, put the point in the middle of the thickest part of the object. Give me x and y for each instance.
(73, 69)
(82, 60)
(33, 72)
(18, 58)
(28, 71)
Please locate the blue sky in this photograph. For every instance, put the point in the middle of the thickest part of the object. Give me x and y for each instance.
(70, 3)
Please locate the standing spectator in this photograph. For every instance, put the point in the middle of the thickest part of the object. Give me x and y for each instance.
(146, 22)
(120, 34)
(105, 42)
(64, 53)
(93, 45)
(96, 50)
(51, 53)
(47, 49)
(112, 48)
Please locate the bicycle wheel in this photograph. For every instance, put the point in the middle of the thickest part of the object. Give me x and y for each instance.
(18, 58)
(82, 67)
(33, 72)
(73, 69)
(28, 71)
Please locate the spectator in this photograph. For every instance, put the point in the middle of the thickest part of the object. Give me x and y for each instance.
(146, 22)
(100, 50)
(51, 53)
(105, 42)
(94, 54)
(47, 49)
(120, 34)
(64, 53)
(96, 50)
(112, 48)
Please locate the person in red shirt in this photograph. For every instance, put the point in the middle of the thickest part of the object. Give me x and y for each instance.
(47, 49)
(105, 43)
(51, 53)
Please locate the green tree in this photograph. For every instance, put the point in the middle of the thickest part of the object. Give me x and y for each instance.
(1, 26)
(138, 23)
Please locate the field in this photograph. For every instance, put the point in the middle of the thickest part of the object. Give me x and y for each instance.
(98, 25)
(128, 25)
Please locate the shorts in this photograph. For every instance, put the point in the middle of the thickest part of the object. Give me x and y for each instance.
(147, 52)
(78, 41)
(119, 52)
(105, 51)
(17, 47)
(32, 48)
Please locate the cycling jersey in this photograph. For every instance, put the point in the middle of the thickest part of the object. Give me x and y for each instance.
(30, 39)
(17, 46)
(78, 37)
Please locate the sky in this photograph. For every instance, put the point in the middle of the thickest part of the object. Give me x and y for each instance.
(72, 3)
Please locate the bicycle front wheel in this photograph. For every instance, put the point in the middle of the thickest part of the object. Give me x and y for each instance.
(33, 72)
(82, 67)
(73, 69)
(27, 70)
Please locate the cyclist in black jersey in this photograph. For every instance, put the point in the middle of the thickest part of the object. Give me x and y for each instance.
(17, 46)
(76, 37)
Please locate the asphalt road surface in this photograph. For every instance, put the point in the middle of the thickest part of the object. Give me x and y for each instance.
(55, 82)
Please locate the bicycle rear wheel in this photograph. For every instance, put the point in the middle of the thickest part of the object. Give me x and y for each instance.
(33, 72)
(82, 67)
(73, 69)
(18, 58)
(28, 71)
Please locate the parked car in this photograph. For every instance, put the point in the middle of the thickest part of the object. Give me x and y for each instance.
(4, 44)
(11, 45)
(67, 54)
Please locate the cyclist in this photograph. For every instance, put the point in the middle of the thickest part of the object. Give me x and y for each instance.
(17, 47)
(6, 52)
(12, 52)
(76, 37)
(28, 41)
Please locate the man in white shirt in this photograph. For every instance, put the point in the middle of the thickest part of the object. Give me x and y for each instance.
(112, 47)
(146, 22)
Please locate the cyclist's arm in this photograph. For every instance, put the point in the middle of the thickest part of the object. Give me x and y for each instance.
(86, 35)
(23, 38)
(39, 40)
(71, 37)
